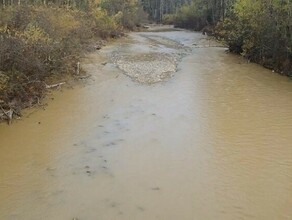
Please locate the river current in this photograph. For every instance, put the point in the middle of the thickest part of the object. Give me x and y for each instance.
(210, 138)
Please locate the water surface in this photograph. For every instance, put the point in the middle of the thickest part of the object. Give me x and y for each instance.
(211, 142)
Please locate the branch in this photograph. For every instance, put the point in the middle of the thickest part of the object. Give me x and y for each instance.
(8, 114)
(84, 77)
(55, 85)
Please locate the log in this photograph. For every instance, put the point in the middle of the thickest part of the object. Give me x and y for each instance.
(83, 77)
(55, 85)
(208, 46)
(8, 115)
(78, 68)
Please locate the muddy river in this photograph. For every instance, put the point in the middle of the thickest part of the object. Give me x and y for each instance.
(169, 127)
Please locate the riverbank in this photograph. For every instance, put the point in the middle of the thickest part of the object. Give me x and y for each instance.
(146, 68)
(41, 48)
(260, 32)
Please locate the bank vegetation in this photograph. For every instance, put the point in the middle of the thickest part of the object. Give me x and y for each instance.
(259, 30)
(43, 40)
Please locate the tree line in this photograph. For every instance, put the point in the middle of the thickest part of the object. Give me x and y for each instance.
(260, 30)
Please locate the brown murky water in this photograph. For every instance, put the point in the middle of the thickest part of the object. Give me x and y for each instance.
(212, 142)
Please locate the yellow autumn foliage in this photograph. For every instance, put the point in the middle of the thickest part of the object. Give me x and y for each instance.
(42, 41)
(34, 34)
(104, 23)
(103, 20)
(63, 23)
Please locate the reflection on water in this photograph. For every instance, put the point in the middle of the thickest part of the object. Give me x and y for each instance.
(213, 142)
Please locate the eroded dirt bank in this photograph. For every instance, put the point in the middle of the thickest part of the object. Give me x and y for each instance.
(141, 141)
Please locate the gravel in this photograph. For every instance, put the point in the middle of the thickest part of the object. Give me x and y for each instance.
(156, 62)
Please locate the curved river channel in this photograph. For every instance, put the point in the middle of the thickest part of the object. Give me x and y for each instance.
(168, 127)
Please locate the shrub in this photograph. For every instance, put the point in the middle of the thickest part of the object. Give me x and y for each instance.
(168, 19)
(105, 25)
(41, 39)
(38, 42)
(193, 16)
(261, 32)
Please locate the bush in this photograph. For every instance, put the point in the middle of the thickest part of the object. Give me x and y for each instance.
(105, 25)
(261, 32)
(39, 42)
(168, 19)
(43, 39)
(193, 16)
(131, 13)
